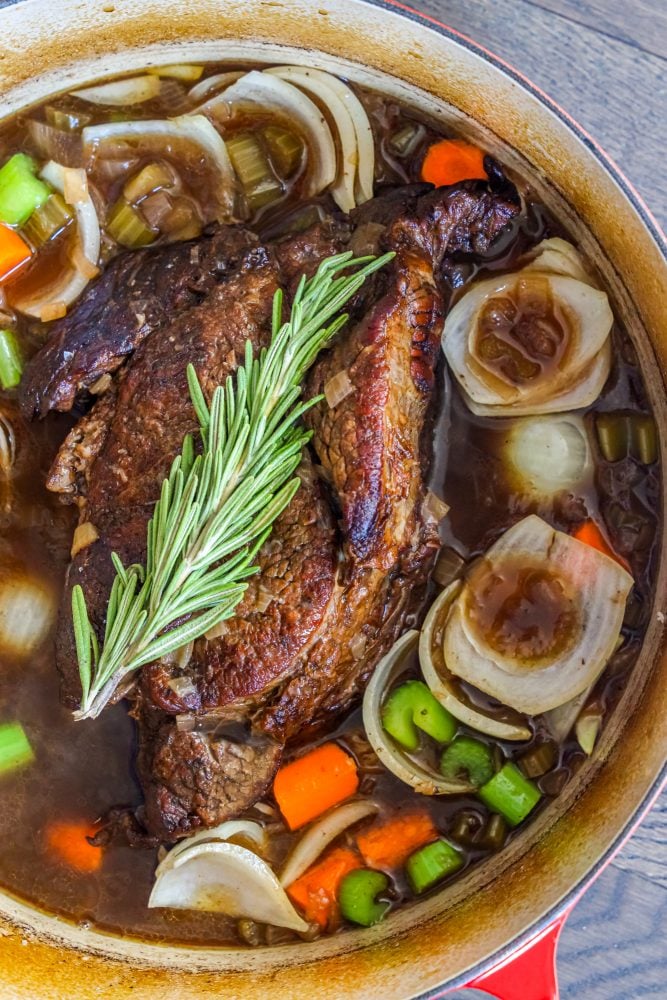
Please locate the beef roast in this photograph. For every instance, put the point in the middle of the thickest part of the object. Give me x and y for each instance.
(347, 561)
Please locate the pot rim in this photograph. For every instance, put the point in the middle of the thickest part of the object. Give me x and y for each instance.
(652, 225)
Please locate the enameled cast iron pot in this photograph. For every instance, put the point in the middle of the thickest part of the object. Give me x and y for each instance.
(518, 898)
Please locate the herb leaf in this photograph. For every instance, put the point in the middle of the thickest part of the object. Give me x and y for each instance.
(217, 509)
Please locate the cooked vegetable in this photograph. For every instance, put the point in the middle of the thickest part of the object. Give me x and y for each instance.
(510, 794)
(623, 434)
(66, 120)
(587, 729)
(172, 137)
(150, 178)
(221, 877)
(590, 534)
(253, 834)
(538, 760)
(285, 149)
(179, 71)
(68, 842)
(260, 185)
(421, 777)
(452, 160)
(316, 891)
(11, 363)
(388, 844)
(7, 446)
(309, 785)
(321, 834)
(548, 454)
(412, 706)
(68, 286)
(127, 226)
(15, 748)
(493, 835)
(14, 252)
(405, 141)
(444, 686)
(200, 593)
(537, 619)
(428, 866)
(358, 897)
(216, 83)
(291, 105)
(120, 93)
(448, 567)
(21, 192)
(48, 221)
(27, 612)
(533, 341)
(467, 759)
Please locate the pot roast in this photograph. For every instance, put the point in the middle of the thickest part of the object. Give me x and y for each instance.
(347, 562)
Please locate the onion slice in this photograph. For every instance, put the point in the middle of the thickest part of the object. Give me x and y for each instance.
(290, 103)
(67, 287)
(423, 779)
(595, 590)
(321, 834)
(546, 454)
(224, 831)
(220, 877)
(156, 136)
(133, 90)
(443, 685)
(216, 83)
(317, 85)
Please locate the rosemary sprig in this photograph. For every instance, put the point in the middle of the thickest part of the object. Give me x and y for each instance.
(216, 509)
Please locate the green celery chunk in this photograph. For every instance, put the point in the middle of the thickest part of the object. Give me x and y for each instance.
(412, 706)
(127, 226)
(20, 191)
(469, 760)
(431, 864)
(358, 894)
(15, 749)
(11, 364)
(510, 794)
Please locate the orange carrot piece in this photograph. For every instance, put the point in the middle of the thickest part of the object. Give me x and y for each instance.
(316, 891)
(13, 251)
(389, 844)
(67, 840)
(590, 534)
(313, 783)
(452, 160)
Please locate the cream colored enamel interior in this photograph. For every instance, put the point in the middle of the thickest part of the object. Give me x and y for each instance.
(429, 943)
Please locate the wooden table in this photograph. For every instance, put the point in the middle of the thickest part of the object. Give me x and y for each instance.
(604, 61)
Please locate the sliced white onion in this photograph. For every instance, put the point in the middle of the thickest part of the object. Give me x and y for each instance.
(155, 137)
(272, 93)
(188, 72)
(560, 720)
(67, 287)
(216, 82)
(587, 729)
(7, 446)
(585, 366)
(245, 828)
(133, 90)
(338, 388)
(318, 85)
(443, 686)
(596, 587)
(220, 877)
(321, 834)
(27, 612)
(423, 779)
(548, 453)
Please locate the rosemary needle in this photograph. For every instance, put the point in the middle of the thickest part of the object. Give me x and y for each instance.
(216, 509)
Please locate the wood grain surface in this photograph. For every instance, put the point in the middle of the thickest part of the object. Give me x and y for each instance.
(604, 62)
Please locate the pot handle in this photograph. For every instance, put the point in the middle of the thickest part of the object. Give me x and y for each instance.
(530, 972)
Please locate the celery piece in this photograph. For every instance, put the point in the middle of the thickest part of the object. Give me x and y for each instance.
(20, 191)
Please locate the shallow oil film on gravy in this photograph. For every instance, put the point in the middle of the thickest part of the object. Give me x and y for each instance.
(328, 503)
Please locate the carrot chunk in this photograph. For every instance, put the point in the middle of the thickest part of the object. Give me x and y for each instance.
(67, 840)
(310, 785)
(389, 844)
(316, 891)
(452, 160)
(13, 251)
(590, 534)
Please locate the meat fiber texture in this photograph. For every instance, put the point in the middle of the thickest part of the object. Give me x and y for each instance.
(347, 562)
